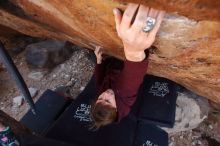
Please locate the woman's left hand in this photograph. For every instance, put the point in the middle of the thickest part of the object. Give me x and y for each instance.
(98, 54)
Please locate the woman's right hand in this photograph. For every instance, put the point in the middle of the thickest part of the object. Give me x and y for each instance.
(135, 41)
(98, 54)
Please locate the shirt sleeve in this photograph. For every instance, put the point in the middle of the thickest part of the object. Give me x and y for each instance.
(127, 86)
(99, 74)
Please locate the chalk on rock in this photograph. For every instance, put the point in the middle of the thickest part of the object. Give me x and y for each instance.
(18, 100)
(33, 91)
(199, 142)
(82, 88)
(191, 110)
(210, 127)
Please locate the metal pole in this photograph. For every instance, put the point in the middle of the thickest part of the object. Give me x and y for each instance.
(13, 71)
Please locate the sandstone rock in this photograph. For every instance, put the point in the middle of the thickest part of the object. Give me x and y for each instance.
(48, 54)
(191, 110)
(187, 44)
(199, 9)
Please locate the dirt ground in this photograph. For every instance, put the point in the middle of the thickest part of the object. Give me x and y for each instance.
(76, 72)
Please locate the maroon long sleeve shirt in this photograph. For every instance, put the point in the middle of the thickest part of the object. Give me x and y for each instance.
(124, 78)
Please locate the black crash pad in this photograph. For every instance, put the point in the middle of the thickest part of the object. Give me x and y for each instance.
(73, 127)
(158, 101)
(48, 108)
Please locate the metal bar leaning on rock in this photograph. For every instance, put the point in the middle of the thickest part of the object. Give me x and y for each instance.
(13, 71)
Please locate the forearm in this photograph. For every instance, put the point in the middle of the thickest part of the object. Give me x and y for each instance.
(99, 73)
(127, 85)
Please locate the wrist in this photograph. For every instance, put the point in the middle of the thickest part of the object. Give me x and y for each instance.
(98, 62)
(135, 56)
(134, 53)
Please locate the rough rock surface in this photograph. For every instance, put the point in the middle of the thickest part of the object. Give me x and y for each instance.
(191, 110)
(48, 54)
(18, 100)
(187, 47)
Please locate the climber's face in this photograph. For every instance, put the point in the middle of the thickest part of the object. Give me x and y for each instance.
(107, 98)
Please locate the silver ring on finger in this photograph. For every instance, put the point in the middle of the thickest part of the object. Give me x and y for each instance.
(149, 24)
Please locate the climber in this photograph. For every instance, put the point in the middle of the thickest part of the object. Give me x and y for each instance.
(118, 82)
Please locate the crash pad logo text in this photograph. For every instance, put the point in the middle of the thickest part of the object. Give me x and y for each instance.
(149, 143)
(83, 113)
(159, 89)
